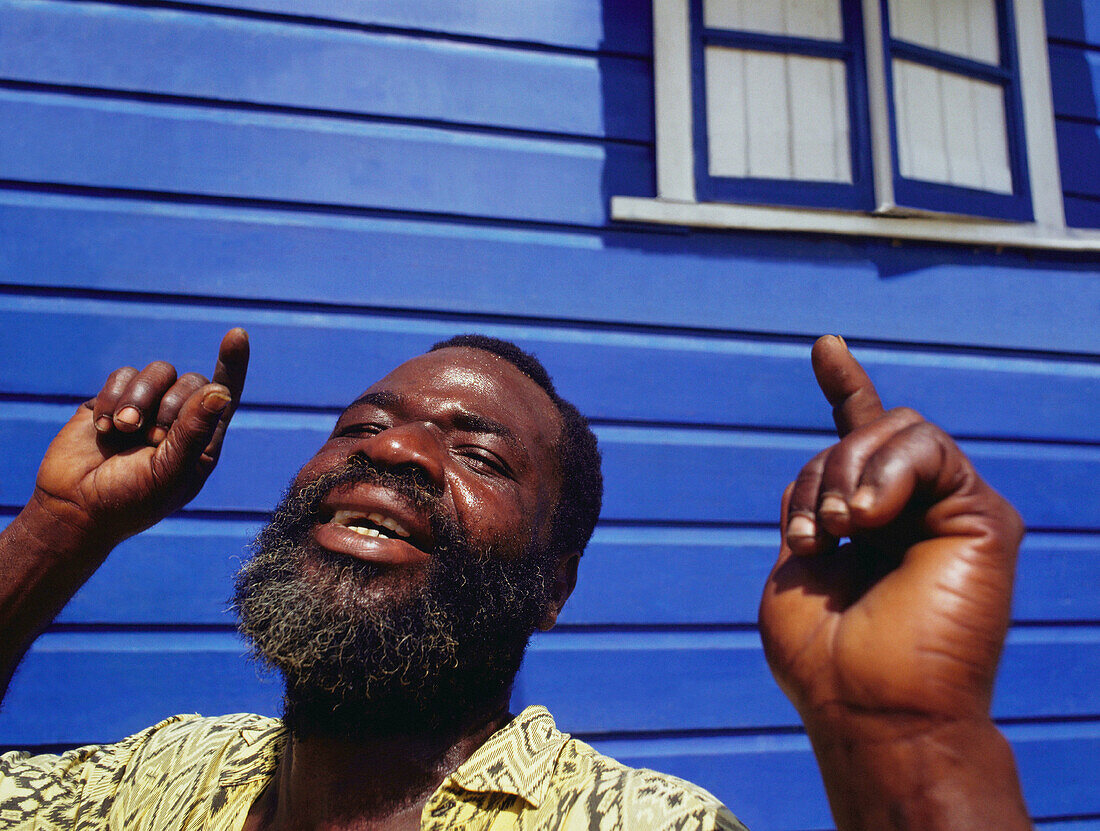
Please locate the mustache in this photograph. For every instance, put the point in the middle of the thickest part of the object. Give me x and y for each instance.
(408, 481)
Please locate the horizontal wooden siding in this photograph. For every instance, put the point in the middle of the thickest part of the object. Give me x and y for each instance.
(353, 182)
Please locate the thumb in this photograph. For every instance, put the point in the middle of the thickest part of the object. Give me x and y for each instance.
(181, 452)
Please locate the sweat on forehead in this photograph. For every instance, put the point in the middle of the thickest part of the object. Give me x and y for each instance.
(473, 386)
(525, 362)
(582, 480)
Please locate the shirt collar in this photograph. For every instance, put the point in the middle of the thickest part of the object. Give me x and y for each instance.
(255, 754)
(518, 759)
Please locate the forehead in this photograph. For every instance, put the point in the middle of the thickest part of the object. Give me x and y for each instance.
(458, 380)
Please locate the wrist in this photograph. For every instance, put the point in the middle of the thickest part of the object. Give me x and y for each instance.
(46, 551)
(59, 529)
(43, 561)
(895, 771)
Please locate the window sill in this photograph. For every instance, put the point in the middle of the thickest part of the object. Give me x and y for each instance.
(960, 230)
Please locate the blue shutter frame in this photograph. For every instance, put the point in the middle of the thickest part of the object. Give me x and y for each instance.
(935, 196)
(856, 195)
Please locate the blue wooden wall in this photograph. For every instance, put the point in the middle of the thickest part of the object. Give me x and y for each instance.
(352, 182)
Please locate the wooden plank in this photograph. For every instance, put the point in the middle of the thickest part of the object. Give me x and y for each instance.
(102, 143)
(1075, 80)
(660, 576)
(612, 682)
(75, 686)
(1055, 786)
(1077, 142)
(1061, 662)
(724, 281)
(628, 681)
(1044, 486)
(128, 681)
(283, 64)
(1082, 212)
(651, 576)
(1051, 572)
(695, 379)
(746, 772)
(819, 19)
(181, 572)
(669, 576)
(922, 137)
(722, 476)
(768, 781)
(728, 476)
(820, 119)
(1076, 20)
(611, 25)
(968, 29)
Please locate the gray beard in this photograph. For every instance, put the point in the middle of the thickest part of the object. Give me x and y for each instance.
(375, 651)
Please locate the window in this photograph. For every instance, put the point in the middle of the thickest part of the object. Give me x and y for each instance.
(783, 116)
(955, 107)
(927, 119)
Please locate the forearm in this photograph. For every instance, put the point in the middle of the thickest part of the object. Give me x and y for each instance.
(44, 559)
(951, 776)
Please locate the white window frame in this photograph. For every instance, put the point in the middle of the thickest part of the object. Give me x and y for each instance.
(676, 204)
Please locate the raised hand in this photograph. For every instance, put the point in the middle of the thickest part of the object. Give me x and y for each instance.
(139, 450)
(143, 447)
(890, 642)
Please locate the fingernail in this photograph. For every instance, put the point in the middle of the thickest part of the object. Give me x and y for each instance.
(215, 402)
(834, 505)
(843, 342)
(863, 498)
(157, 435)
(801, 526)
(103, 424)
(129, 415)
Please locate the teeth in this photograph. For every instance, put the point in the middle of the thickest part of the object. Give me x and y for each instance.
(386, 522)
(345, 518)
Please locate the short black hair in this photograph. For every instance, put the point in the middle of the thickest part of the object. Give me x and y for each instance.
(581, 494)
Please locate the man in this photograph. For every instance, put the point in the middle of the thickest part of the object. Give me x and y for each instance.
(439, 525)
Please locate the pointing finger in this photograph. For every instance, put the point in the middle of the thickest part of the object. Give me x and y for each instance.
(845, 384)
(232, 363)
(231, 369)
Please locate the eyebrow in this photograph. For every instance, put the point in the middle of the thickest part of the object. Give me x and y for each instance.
(382, 398)
(462, 420)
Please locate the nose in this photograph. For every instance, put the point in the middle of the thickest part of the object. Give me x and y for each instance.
(412, 445)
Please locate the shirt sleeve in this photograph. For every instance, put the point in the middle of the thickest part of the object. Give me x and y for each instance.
(726, 821)
(66, 792)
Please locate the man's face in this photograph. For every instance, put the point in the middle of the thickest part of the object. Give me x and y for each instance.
(405, 571)
(477, 431)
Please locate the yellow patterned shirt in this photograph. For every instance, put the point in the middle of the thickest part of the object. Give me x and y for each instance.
(189, 773)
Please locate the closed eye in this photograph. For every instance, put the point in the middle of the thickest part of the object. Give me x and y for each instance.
(355, 430)
(484, 461)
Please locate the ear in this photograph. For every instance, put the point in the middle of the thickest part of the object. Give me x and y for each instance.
(564, 581)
